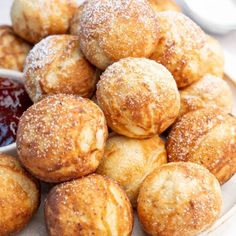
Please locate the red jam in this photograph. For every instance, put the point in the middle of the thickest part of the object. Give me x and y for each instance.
(13, 102)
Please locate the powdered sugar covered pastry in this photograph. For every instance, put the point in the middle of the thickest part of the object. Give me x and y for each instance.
(93, 205)
(114, 29)
(208, 91)
(75, 21)
(34, 20)
(206, 137)
(56, 65)
(181, 48)
(13, 49)
(139, 97)
(62, 137)
(19, 196)
(129, 161)
(179, 199)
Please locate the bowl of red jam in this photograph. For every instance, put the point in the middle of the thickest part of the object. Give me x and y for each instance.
(14, 100)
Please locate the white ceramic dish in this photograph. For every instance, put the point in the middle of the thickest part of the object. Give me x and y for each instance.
(18, 76)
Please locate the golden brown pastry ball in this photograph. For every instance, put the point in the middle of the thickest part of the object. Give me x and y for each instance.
(56, 65)
(19, 196)
(164, 5)
(215, 57)
(209, 91)
(13, 49)
(62, 137)
(179, 199)
(129, 161)
(75, 21)
(114, 29)
(94, 205)
(181, 48)
(139, 97)
(207, 137)
(34, 20)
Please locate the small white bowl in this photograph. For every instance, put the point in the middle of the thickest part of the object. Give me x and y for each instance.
(17, 76)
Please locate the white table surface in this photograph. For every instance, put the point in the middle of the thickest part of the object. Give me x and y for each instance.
(229, 44)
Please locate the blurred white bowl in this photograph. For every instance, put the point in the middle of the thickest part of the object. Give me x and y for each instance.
(17, 76)
(218, 17)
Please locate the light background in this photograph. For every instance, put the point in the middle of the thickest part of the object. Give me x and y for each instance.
(227, 41)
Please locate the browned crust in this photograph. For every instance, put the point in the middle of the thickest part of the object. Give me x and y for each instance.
(138, 97)
(179, 199)
(207, 137)
(47, 152)
(119, 29)
(13, 49)
(88, 206)
(19, 196)
(164, 5)
(56, 65)
(75, 21)
(181, 47)
(129, 161)
(34, 21)
(208, 91)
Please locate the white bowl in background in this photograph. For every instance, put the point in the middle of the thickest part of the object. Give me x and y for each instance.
(17, 76)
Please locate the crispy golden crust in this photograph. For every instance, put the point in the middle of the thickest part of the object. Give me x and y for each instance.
(129, 161)
(61, 138)
(179, 199)
(56, 65)
(19, 196)
(164, 5)
(209, 91)
(13, 49)
(94, 205)
(207, 137)
(139, 97)
(181, 48)
(215, 57)
(34, 20)
(115, 29)
(75, 21)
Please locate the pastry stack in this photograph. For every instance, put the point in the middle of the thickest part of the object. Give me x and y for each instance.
(130, 112)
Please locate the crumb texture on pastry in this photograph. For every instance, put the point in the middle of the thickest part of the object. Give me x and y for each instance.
(208, 91)
(207, 137)
(13, 49)
(93, 205)
(181, 47)
(19, 196)
(139, 97)
(114, 29)
(56, 65)
(34, 20)
(179, 199)
(129, 161)
(62, 137)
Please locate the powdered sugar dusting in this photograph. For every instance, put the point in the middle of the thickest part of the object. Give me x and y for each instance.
(42, 54)
(188, 132)
(115, 29)
(103, 14)
(51, 130)
(209, 91)
(139, 92)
